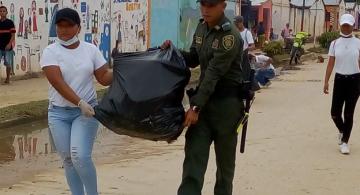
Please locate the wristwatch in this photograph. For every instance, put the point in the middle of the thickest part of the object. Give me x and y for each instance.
(195, 109)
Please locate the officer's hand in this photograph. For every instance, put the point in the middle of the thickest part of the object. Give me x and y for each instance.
(326, 88)
(8, 47)
(166, 44)
(191, 118)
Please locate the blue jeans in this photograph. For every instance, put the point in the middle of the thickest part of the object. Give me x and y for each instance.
(263, 76)
(8, 57)
(74, 136)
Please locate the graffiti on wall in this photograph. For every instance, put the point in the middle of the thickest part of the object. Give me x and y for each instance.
(130, 25)
(27, 18)
(103, 23)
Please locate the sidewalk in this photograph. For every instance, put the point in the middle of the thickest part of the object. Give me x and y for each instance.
(24, 91)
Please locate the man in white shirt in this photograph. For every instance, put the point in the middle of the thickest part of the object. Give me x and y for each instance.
(264, 69)
(245, 34)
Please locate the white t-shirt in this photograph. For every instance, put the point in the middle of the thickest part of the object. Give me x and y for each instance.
(347, 53)
(261, 60)
(77, 67)
(247, 37)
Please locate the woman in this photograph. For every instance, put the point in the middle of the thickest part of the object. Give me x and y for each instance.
(69, 65)
(344, 55)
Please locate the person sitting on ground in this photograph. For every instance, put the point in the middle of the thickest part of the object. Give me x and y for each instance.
(264, 69)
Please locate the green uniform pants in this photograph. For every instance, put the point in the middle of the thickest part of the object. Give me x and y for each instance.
(217, 123)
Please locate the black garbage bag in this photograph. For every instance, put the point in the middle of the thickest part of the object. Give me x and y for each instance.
(145, 98)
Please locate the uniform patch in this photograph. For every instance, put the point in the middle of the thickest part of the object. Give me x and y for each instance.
(215, 44)
(228, 42)
(198, 40)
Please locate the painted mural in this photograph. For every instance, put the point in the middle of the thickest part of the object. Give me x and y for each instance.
(130, 25)
(108, 24)
(104, 22)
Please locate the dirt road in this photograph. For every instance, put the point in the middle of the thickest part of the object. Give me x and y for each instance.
(292, 150)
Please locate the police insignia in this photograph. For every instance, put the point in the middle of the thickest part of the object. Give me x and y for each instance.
(198, 40)
(215, 44)
(228, 42)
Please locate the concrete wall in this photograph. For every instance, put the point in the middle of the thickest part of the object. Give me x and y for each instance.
(103, 22)
(280, 15)
(189, 19)
(135, 24)
(318, 11)
(164, 21)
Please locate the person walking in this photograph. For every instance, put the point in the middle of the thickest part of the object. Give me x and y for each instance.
(70, 65)
(246, 35)
(285, 33)
(217, 106)
(261, 34)
(7, 38)
(344, 55)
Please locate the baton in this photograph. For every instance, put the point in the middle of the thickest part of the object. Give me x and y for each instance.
(243, 124)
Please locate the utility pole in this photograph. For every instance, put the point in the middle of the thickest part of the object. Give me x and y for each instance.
(315, 22)
(302, 16)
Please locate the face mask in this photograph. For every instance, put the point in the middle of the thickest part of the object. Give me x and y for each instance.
(344, 35)
(69, 42)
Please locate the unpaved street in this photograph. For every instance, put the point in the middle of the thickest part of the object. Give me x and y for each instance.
(292, 150)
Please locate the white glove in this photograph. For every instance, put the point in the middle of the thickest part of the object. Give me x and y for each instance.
(86, 109)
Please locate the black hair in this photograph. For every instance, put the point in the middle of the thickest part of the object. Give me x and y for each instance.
(3, 7)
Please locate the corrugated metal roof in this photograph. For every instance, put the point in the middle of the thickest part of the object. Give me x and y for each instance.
(332, 2)
(299, 3)
(350, 5)
(257, 2)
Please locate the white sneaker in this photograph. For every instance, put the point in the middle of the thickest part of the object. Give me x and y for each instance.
(344, 148)
(340, 136)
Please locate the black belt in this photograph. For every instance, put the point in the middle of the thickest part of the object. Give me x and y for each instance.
(351, 76)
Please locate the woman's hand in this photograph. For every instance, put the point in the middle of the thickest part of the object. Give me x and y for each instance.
(86, 109)
(326, 88)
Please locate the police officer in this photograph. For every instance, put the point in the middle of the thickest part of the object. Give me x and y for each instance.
(217, 106)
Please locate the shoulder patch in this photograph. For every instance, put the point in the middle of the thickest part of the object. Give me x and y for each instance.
(226, 26)
(228, 42)
(198, 40)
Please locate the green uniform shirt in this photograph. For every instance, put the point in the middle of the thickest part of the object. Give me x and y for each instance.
(218, 51)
